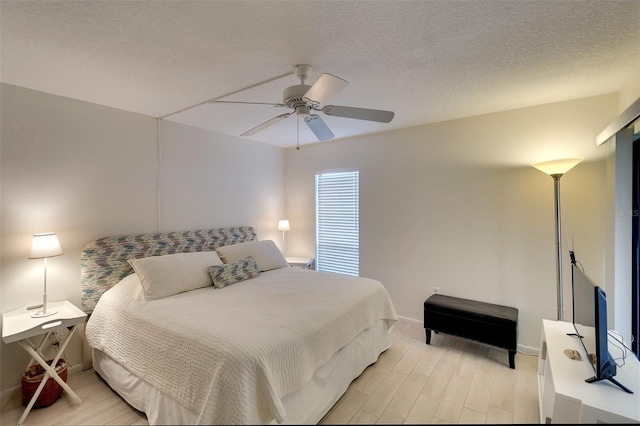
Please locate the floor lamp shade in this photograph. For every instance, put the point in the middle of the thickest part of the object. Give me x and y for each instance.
(43, 246)
(556, 169)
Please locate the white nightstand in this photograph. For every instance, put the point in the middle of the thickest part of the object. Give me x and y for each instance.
(19, 326)
(298, 262)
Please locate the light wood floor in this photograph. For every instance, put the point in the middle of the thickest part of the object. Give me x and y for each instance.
(100, 406)
(449, 381)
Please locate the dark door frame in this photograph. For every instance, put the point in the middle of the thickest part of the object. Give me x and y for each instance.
(635, 263)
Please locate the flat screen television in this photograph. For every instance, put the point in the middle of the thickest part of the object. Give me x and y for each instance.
(590, 323)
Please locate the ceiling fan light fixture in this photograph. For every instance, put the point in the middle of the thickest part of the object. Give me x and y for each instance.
(303, 111)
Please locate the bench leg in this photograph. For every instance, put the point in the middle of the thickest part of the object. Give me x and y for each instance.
(428, 332)
(512, 359)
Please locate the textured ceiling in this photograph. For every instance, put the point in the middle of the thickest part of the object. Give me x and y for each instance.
(427, 61)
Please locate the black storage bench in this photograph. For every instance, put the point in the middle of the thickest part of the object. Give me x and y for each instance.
(495, 325)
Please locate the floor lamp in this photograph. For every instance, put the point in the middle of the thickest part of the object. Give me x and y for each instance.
(283, 225)
(556, 169)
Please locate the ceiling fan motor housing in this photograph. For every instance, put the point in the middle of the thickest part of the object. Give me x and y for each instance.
(293, 96)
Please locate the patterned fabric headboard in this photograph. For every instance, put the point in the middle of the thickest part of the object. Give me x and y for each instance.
(103, 262)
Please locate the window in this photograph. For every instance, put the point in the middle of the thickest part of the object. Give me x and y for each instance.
(338, 222)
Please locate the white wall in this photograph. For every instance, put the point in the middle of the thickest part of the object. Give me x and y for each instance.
(208, 178)
(457, 205)
(87, 171)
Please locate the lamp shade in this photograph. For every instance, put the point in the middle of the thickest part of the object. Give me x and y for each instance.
(283, 225)
(557, 167)
(45, 245)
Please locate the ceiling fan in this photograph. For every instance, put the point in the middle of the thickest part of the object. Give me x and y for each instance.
(304, 100)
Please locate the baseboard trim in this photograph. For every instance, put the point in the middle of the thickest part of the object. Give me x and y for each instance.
(527, 350)
(411, 320)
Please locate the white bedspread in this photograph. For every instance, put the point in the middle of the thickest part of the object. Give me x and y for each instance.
(231, 354)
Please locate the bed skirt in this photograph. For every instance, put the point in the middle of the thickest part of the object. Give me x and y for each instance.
(306, 405)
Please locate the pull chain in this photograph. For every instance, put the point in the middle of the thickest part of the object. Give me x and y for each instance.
(297, 133)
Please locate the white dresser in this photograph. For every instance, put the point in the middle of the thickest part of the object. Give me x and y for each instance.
(565, 397)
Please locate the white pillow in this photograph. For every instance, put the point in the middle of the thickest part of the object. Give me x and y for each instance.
(266, 254)
(163, 276)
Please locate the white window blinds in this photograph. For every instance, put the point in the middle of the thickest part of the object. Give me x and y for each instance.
(338, 222)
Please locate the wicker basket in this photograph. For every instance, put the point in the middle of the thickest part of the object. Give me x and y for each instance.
(31, 379)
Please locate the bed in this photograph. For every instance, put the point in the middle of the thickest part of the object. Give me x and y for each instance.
(214, 327)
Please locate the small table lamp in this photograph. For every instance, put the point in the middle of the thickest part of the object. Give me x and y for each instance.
(43, 246)
(283, 225)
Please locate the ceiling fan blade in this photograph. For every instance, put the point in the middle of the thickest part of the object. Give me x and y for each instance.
(266, 124)
(326, 86)
(318, 127)
(359, 113)
(248, 103)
